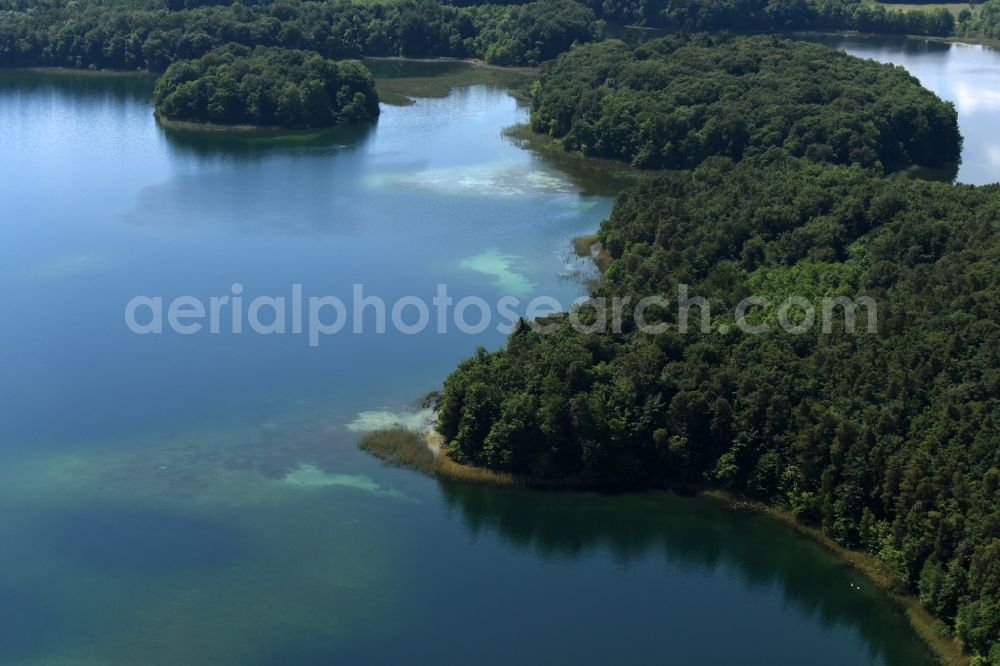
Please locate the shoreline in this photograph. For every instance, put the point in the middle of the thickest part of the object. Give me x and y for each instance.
(945, 649)
(474, 62)
(403, 88)
(71, 71)
(985, 42)
(446, 468)
(242, 129)
(615, 175)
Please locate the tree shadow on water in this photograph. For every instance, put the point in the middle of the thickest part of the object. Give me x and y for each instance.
(239, 145)
(82, 86)
(698, 537)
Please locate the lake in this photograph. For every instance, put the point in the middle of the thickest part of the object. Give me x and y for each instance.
(199, 499)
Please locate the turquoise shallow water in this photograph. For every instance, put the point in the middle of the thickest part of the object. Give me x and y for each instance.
(174, 499)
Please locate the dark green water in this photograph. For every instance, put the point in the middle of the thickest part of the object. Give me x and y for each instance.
(198, 499)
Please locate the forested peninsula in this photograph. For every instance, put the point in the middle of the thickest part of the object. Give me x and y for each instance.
(885, 440)
(673, 102)
(266, 87)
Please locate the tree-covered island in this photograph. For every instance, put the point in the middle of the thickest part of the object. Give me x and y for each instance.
(268, 87)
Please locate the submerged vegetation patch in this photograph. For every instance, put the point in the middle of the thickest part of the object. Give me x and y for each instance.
(589, 175)
(498, 266)
(583, 245)
(590, 246)
(308, 475)
(400, 447)
(497, 179)
(421, 451)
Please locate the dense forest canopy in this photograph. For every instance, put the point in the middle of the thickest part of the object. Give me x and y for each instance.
(673, 102)
(266, 86)
(90, 33)
(886, 440)
(151, 34)
(984, 23)
(746, 16)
